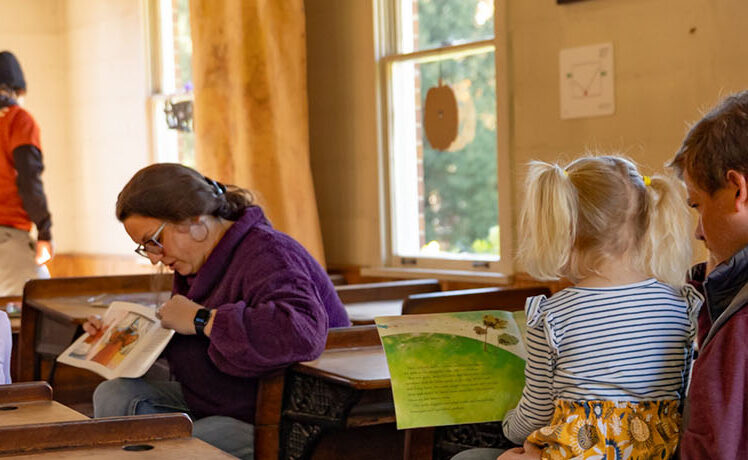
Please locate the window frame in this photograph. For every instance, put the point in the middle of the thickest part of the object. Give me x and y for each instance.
(164, 142)
(386, 38)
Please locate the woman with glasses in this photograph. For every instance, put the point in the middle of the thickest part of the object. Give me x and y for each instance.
(247, 300)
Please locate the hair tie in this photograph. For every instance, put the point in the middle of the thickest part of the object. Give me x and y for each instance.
(218, 187)
(566, 173)
(647, 181)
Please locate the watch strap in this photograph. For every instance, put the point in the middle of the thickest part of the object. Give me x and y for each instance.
(201, 320)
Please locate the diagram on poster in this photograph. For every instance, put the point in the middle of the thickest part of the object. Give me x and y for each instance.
(586, 81)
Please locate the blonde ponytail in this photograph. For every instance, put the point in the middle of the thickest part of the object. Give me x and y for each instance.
(548, 221)
(666, 243)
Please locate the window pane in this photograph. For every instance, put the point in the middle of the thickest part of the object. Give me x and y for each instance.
(182, 45)
(426, 24)
(446, 201)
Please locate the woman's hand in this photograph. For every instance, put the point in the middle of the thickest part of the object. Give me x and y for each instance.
(178, 313)
(45, 250)
(93, 325)
(527, 452)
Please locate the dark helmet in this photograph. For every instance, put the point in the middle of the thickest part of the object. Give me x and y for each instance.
(11, 74)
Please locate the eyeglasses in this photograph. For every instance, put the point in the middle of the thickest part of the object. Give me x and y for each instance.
(152, 246)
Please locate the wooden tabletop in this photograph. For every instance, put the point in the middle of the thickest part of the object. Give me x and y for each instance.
(29, 412)
(365, 312)
(166, 449)
(363, 368)
(77, 309)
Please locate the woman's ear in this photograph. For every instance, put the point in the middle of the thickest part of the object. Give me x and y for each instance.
(198, 228)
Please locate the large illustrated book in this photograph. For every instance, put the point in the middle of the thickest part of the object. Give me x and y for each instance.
(126, 346)
(454, 368)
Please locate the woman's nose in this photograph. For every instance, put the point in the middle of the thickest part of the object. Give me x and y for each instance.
(155, 258)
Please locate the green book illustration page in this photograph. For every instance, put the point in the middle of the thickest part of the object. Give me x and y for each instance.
(453, 368)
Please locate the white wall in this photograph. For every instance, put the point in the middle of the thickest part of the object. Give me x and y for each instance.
(108, 128)
(85, 65)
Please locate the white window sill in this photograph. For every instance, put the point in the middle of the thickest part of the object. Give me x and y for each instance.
(446, 275)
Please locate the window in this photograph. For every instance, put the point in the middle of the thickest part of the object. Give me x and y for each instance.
(171, 81)
(443, 204)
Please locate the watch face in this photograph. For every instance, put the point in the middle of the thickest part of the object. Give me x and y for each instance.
(202, 315)
(201, 319)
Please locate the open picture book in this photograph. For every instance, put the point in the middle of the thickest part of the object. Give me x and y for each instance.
(454, 368)
(127, 345)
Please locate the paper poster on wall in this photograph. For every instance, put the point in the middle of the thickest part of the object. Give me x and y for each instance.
(586, 81)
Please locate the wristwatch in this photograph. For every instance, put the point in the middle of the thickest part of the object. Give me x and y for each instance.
(201, 319)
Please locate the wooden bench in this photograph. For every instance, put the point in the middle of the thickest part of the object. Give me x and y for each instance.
(364, 302)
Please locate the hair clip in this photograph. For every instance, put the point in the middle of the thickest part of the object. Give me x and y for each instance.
(566, 173)
(647, 181)
(218, 187)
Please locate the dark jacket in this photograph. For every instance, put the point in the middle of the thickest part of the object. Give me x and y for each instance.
(716, 418)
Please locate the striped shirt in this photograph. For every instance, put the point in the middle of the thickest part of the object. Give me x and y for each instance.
(625, 343)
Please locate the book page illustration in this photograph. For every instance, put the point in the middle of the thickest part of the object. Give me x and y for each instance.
(129, 342)
(453, 368)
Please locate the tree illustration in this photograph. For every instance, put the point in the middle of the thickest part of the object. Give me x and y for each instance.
(489, 321)
(482, 331)
(508, 339)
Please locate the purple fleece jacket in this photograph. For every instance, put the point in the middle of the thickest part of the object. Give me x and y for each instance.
(275, 304)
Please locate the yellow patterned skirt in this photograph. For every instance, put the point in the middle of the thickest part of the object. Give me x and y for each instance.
(610, 430)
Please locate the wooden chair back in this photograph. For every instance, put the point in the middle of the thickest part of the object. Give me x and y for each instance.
(492, 298)
(390, 290)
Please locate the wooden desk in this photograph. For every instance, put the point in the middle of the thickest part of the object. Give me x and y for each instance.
(168, 449)
(348, 387)
(364, 312)
(363, 368)
(324, 395)
(31, 402)
(167, 435)
(364, 302)
(52, 314)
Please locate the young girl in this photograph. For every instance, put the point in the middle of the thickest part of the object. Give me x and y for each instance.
(609, 357)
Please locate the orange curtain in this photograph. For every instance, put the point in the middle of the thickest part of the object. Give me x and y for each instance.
(251, 117)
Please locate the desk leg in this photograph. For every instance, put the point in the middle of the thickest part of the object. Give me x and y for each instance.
(27, 358)
(311, 406)
(419, 443)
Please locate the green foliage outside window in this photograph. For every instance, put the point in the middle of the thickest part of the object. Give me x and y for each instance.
(460, 193)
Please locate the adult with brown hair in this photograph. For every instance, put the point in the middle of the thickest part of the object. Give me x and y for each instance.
(247, 300)
(22, 198)
(713, 161)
